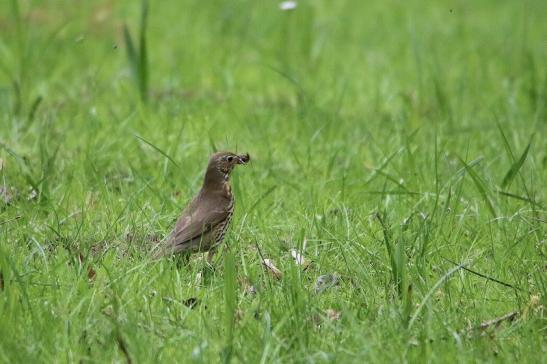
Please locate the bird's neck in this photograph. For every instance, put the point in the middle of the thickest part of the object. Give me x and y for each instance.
(216, 180)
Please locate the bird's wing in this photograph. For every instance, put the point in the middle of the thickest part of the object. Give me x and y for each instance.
(197, 220)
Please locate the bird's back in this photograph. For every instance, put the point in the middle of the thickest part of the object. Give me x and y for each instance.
(203, 223)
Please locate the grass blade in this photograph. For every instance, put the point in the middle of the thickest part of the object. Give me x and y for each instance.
(33, 109)
(521, 198)
(143, 53)
(436, 286)
(158, 150)
(262, 197)
(515, 168)
(138, 58)
(481, 187)
(130, 50)
(230, 299)
(505, 142)
(482, 275)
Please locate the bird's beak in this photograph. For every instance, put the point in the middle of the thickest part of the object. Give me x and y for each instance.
(243, 158)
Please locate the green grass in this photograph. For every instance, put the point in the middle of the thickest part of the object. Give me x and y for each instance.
(401, 141)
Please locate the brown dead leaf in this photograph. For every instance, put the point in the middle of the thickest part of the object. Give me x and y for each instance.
(333, 315)
(439, 295)
(1, 281)
(534, 306)
(248, 288)
(99, 248)
(108, 311)
(329, 314)
(274, 271)
(6, 194)
(498, 320)
(535, 299)
(239, 315)
(91, 274)
(91, 200)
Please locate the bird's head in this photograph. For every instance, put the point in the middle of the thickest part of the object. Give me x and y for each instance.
(221, 165)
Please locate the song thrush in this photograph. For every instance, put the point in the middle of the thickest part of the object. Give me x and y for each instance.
(203, 223)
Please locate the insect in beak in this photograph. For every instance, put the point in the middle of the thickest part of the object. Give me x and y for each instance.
(243, 158)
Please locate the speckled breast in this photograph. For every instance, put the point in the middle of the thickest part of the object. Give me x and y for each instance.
(223, 226)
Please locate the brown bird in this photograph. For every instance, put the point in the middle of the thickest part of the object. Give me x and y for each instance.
(203, 223)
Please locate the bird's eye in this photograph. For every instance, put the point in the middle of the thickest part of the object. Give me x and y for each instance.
(230, 158)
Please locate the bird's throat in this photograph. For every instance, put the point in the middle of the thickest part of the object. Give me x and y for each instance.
(227, 188)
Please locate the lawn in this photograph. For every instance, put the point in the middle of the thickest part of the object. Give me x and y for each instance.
(399, 147)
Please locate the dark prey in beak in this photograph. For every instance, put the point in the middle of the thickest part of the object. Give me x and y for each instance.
(244, 158)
